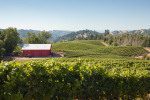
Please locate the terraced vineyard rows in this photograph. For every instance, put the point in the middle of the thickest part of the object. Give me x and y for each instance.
(92, 48)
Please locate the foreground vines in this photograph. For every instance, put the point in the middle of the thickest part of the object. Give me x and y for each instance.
(75, 79)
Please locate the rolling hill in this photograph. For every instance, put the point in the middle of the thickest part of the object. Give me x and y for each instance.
(95, 48)
(82, 34)
(141, 31)
(61, 35)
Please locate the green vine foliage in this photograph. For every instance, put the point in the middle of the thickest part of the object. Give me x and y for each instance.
(81, 79)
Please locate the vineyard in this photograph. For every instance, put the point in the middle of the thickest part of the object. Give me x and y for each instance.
(89, 71)
(94, 48)
(75, 78)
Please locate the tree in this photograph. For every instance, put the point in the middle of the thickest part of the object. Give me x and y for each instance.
(107, 32)
(2, 50)
(146, 42)
(11, 39)
(1, 45)
(44, 36)
(2, 35)
(32, 38)
(38, 38)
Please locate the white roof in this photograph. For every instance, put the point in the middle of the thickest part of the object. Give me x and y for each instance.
(36, 47)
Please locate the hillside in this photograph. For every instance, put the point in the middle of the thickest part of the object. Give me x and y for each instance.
(60, 35)
(141, 31)
(95, 48)
(55, 33)
(23, 32)
(89, 34)
(82, 34)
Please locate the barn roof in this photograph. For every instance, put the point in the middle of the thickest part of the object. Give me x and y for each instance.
(36, 47)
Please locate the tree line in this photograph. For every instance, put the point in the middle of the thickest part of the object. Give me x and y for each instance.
(124, 39)
(11, 41)
(128, 39)
(37, 38)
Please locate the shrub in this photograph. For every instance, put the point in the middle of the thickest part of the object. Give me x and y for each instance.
(17, 51)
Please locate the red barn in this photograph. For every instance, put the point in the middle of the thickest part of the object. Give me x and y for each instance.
(36, 50)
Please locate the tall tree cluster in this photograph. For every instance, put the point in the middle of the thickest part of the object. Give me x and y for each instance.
(37, 38)
(9, 38)
(123, 39)
(128, 39)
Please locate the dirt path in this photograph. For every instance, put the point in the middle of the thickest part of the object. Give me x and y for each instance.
(145, 55)
(21, 59)
(105, 44)
(147, 49)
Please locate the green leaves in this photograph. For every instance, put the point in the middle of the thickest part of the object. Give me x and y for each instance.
(75, 79)
(9, 38)
(95, 49)
(38, 38)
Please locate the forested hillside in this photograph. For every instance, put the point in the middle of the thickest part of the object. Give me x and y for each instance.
(127, 39)
(120, 38)
(55, 34)
(115, 38)
(82, 34)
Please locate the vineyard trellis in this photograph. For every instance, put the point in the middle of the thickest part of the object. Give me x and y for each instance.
(75, 78)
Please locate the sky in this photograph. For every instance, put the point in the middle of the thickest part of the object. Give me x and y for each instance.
(75, 14)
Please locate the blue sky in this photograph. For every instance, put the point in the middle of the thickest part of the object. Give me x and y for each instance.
(75, 14)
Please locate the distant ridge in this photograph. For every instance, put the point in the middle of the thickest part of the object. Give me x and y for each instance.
(55, 33)
(82, 34)
(60, 35)
(141, 31)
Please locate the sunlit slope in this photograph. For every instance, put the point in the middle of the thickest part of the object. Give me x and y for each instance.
(94, 48)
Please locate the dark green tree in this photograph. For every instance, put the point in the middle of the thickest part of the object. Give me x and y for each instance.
(107, 32)
(10, 39)
(32, 38)
(146, 42)
(2, 50)
(38, 38)
(44, 37)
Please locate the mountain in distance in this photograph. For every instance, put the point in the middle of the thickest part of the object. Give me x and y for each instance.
(55, 33)
(82, 34)
(23, 32)
(58, 33)
(141, 31)
(89, 34)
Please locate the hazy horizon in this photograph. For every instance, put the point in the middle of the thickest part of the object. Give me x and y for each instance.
(73, 15)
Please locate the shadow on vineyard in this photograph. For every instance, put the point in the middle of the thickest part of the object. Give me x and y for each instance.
(65, 78)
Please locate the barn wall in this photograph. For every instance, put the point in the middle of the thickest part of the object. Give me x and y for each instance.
(36, 53)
